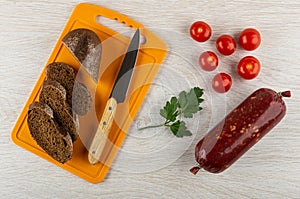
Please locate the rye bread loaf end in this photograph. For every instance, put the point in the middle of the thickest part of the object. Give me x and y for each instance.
(53, 139)
(86, 47)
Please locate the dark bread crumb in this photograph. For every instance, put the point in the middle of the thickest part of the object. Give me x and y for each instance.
(86, 47)
(65, 75)
(54, 95)
(48, 134)
(82, 99)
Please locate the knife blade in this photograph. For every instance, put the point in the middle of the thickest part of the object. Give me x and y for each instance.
(117, 95)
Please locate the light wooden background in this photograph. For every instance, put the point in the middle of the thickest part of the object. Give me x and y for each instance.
(28, 32)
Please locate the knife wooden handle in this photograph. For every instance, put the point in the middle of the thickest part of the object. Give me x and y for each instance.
(102, 132)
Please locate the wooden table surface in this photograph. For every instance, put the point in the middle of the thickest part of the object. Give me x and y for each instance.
(29, 31)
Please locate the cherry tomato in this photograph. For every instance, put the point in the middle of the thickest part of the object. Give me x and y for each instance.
(200, 31)
(208, 61)
(226, 45)
(250, 39)
(248, 67)
(221, 82)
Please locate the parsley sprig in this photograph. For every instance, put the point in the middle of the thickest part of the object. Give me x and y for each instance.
(187, 104)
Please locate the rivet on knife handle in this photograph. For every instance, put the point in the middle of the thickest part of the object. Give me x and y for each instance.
(102, 132)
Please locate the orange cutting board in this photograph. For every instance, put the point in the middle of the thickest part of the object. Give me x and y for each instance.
(150, 56)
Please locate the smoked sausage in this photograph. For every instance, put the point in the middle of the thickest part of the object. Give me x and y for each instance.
(240, 130)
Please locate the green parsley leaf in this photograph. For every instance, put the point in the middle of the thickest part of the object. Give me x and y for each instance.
(170, 110)
(179, 129)
(187, 104)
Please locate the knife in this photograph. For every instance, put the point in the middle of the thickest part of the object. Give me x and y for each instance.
(117, 95)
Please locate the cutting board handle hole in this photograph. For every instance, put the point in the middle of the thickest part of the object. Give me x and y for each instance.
(119, 26)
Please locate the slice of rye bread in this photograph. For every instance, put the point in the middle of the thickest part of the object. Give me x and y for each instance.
(54, 95)
(86, 47)
(53, 139)
(78, 95)
(81, 99)
(63, 74)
